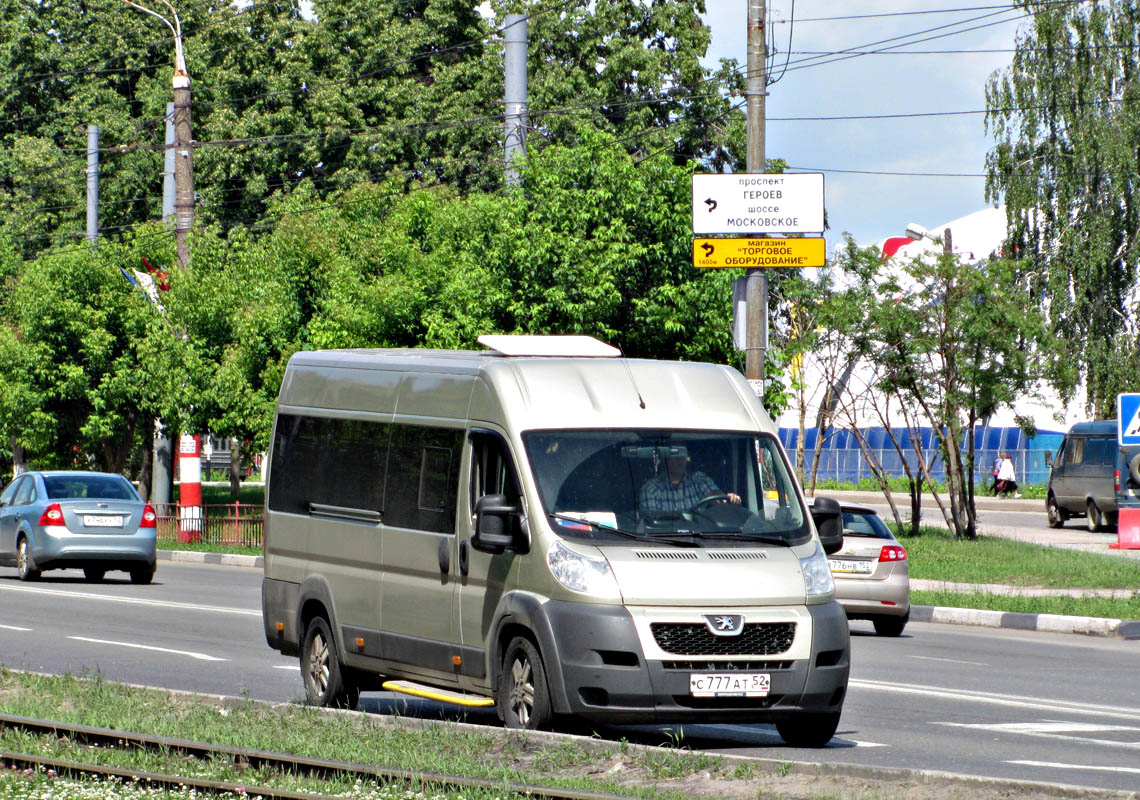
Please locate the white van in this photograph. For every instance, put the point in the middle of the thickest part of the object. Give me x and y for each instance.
(553, 529)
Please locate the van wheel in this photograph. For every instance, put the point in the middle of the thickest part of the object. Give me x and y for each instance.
(24, 567)
(1095, 518)
(325, 683)
(809, 730)
(523, 697)
(1056, 517)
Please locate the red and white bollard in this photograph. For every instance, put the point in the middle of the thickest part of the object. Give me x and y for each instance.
(190, 489)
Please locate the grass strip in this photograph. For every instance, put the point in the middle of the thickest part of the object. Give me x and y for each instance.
(937, 555)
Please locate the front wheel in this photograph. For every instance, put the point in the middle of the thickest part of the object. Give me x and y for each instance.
(523, 697)
(809, 729)
(325, 683)
(1095, 517)
(24, 566)
(1056, 517)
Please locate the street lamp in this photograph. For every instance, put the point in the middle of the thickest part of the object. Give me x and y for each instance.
(918, 233)
(183, 162)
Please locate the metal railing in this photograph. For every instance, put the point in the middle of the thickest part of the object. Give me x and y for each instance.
(224, 524)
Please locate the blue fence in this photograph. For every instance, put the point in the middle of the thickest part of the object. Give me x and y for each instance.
(842, 459)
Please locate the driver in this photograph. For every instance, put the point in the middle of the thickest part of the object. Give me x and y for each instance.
(674, 488)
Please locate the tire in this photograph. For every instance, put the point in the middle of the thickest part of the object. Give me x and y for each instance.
(324, 678)
(809, 729)
(1056, 516)
(142, 575)
(1095, 517)
(25, 567)
(94, 574)
(891, 626)
(523, 697)
(1134, 468)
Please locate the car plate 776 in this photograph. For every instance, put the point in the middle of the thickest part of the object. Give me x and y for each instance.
(102, 521)
(729, 684)
(841, 565)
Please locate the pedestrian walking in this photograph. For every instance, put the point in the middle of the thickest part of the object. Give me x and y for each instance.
(1007, 478)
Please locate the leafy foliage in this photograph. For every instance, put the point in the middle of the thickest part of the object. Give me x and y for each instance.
(1065, 118)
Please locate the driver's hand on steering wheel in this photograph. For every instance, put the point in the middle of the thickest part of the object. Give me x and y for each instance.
(729, 497)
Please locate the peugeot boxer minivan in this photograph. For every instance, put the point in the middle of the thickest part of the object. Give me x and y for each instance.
(552, 529)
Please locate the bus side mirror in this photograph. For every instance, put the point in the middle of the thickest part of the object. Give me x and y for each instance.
(828, 517)
(493, 523)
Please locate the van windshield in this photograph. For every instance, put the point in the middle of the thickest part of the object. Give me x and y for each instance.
(691, 488)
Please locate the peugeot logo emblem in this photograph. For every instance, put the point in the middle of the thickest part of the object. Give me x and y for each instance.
(725, 624)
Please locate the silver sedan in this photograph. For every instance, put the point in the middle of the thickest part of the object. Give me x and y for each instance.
(871, 577)
(94, 521)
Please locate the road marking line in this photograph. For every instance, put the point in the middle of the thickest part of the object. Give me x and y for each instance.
(868, 744)
(1038, 704)
(14, 628)
(285, 666)
(1058, 765)
(950, 661)
(135, 600)
(1028, 730)
(191, 654)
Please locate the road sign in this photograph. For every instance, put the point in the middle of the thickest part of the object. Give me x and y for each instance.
(756, 252)
(1128, 418)
(753, 203)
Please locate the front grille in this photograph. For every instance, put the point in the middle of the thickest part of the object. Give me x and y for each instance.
(727, 666)
(695, 639)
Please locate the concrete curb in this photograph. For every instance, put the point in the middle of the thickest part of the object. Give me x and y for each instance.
(1046, 623)
(1041, 623)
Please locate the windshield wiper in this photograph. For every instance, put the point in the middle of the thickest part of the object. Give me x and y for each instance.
(638, 537)
(750, 537)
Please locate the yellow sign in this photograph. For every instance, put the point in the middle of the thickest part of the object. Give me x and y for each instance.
(757, 252)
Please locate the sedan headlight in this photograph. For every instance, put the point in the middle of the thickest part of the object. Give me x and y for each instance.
(582, 573)
(817, 574)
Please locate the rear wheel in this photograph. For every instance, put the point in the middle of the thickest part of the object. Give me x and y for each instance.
(1056, 516)
(24, 566)
(94, 574)
(891, 626)
(325, 680)
(1095, 517)
(142, 575)
(523, 697)
(809, 730)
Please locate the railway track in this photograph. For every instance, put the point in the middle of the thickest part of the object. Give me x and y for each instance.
(283, 763)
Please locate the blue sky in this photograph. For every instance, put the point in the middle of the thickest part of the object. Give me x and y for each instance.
(874, 206)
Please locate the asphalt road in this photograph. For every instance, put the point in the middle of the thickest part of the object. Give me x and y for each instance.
(997, 703)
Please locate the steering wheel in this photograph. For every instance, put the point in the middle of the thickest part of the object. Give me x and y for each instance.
(719, 497)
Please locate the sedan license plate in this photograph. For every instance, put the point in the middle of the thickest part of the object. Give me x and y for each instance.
(730, 684)
(859, 567)
(102, 521)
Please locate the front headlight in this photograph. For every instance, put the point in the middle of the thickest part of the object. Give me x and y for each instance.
(817, 574)
(582, 573)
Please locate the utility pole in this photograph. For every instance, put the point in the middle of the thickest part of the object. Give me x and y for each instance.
(756, 290)
(183, 162)
(168, 190)
(92, 183)
(515, 94)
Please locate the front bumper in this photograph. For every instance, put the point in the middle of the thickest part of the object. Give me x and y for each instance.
(599, 671)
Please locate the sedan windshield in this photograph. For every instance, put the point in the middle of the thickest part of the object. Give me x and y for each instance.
(686, 487)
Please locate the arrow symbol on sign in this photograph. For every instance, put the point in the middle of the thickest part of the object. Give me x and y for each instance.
(708, 248)
(711, 204)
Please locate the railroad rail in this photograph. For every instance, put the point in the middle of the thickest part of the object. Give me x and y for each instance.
(285, 763)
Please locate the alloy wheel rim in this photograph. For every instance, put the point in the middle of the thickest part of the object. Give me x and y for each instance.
(319, 664)
(522, 690)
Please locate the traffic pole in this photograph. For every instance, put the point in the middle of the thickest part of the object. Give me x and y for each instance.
(190, 489)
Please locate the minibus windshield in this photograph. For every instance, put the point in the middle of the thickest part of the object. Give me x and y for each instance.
(697, 488)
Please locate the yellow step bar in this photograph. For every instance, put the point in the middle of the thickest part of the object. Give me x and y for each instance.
(439, 695)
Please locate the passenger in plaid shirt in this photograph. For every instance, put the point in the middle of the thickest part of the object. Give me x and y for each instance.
(675, 489)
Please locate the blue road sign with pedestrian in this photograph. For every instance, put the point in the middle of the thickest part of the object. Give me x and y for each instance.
(1128, 418)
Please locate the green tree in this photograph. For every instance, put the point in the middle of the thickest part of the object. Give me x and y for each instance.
(1065, 117)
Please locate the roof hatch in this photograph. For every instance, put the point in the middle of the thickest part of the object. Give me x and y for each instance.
(565, 346)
